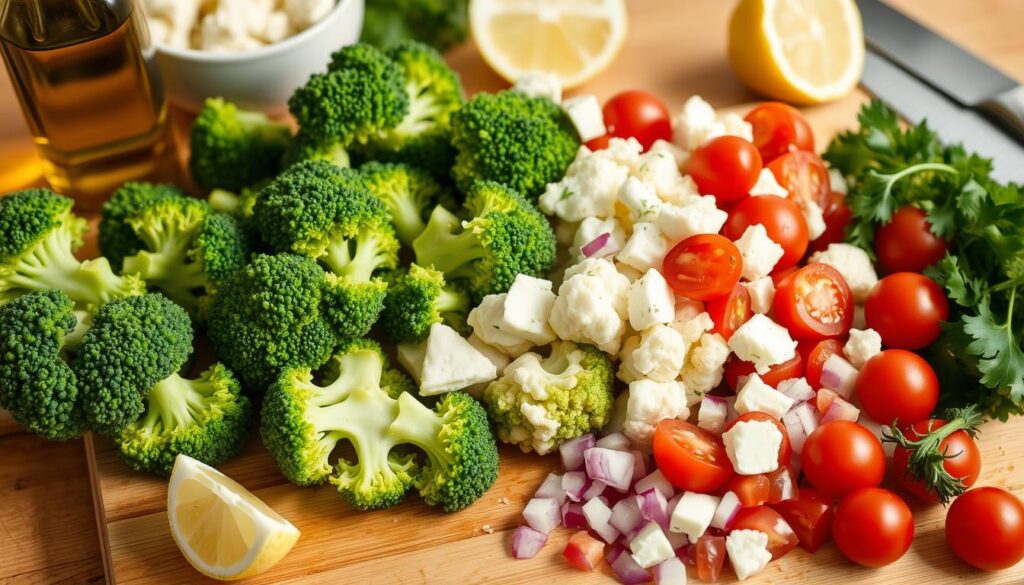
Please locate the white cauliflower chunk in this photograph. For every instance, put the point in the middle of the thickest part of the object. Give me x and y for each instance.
(539, 84)
(592, 305)
(640, 199)
(645, 249)
(651, 301)
(592, 227)
(650, 403)
(627, 371)
(694, 215)
(172, 21)
(862, 346)
(762, 342)
(660, 354)
(767, 185)
(586, 116)
(589, 189)
(306, 13)
(486, 321)
(760, 253)
(705, 366)
(699, 123)
(659, 170)
(623, 151)
(855, 266)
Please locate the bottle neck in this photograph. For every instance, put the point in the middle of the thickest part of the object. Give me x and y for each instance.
(51, 24)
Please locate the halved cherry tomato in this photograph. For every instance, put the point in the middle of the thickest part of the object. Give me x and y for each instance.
(814, 303)
(599, 143)
(841, 456)
(781, 218)
(726, 167)
(898, 385)
(907, 244)
(785, 449)
(730, 311)
(703, 267)
(985, 528)
(710, 555)
(778, 129)
(752, 490)
(962, 458)
(737, 368)
(817, 358)
(637, 114)
(907, 309)
(781, 538)
(873, 527)
(583, 551)
(690, 457)
(782, 485)
(838, 215)
(810, 517)
(824, 400)
(804, 175)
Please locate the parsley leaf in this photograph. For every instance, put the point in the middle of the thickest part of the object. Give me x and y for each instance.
(1002, 360)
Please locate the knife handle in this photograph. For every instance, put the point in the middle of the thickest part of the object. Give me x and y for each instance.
(1007, 110)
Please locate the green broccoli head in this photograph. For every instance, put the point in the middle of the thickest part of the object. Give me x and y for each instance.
(272, 315)
(305, 147)
(439, 23)
(540, 403)
(38, 237)
(206, 418)
(416, 299)
(117, 239)
(133, 344)
(514, 139)
(408, 193)
(504, 237)
(37, 385)
(233, 149)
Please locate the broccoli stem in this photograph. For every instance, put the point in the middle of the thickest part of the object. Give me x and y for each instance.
(370, 256)
(452, 254)
(174, 403)
(407, 216)
(224, 201)
(451, 301)
(420, 426)
(424, 108)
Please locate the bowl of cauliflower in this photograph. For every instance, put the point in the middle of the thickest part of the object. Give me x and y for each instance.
(254, 53)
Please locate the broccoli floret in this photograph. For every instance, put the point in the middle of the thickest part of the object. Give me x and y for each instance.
(325, 212)
(38, 237)
(514, 139)
(37, 385)
(306, 148)
(233, 149)
(569, 394)
(206, 418)
(117, 239)
(272, 315)
(439, 23)
(504, 237)
(408, 193)
(418, 298)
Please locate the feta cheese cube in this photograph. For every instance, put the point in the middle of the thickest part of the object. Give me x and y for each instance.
(585, 113)
(411, 355)
(756, 396)
(645, 249)
(762, 342)
(659, 170)
(855, 266)
(814, 215)
(748, 552)
(539, 84)
(753, 446)
(862, 346)
(762, 294)
(650, 546)
(486, 321)
(760, 253)
(496, 357)
(451, 363)
(767, 185)
(712, 416)
(695, 215)
(838, 181)
(651, 301)
(734, 125)
(629, 272)
(641, 201)
(694, 123)
(592, 227)
(528, 306)
(693, 514)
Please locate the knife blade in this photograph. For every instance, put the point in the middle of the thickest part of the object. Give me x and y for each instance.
(948, 68)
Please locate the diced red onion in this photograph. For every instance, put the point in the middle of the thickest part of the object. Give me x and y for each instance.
(809, 417)
(639, 466)
(574, 484)
(626, 515)
(713, 413)
(670, 572)
(678, 540)
(613, 553)
(572, 451)
(795, 430)
(798, 389)
(726, 512)
(654, 507)
(839, 375)
(841, 410)
(614, 441)
(601, 246)
(598, 514)
(655, 480)
(733, 414)
(543, 514)
(614, 468)
(628, 571)
(572, 515)
(551, 488)
(595, 489)
(613, 497)
(527, 542)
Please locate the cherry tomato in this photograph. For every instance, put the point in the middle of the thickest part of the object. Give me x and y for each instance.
(638, 114)
(962, 458)
(873, 527)
(731, 311)
(583, 551)
(782, 486)
(599, 143)
(779, 275)
(907, 310)
(810, 517)
(814, 303)
(781, 218)
(804, 175)
(726, 167)
(817, 358)
(737, 368)
(703, 267)
(907, 244)
(897, 385)
(781, 538)
(710, 557)
(841, 456)
(752, 490)
(838, 215)
(778, 129)
(785, 449)
(690, 457)
(985, 528)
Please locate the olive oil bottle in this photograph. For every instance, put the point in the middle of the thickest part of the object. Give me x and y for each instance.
(84, 73)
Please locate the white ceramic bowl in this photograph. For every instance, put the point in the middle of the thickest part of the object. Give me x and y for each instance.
(263, 79)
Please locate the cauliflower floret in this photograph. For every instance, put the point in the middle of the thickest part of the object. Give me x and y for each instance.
(172, 21)
(539, 84)
(277, 27)
(650, 403)
(486, 322)
(614, 282)
(225, 31)
(855, 266)
(862, 346)
(592, 305)
(692, 329)
(694, 215)
(640, 199)
(589, 189)
(678, 155)
(659, 170)
(767, 185)
(699, 123)
(645, 249)
(305, 13)
(705, 366)
(660, 354)
(627, 371)
(622, 151)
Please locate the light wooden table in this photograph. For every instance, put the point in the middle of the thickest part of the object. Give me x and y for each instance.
(676, 48)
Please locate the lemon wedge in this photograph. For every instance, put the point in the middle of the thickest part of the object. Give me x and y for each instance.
(799, 51)
(223, 530)
(573, 40)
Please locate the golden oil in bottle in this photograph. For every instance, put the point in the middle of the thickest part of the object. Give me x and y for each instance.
(92, 98)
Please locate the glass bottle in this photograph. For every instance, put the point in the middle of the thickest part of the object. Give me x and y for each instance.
(84, 74)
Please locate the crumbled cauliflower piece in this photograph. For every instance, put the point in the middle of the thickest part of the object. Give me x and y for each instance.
(650, 403)
(814, 215)
(640, 199)
(305, 13)
(679, 155)
(705, 366)
(693, 328)
(651, 301)
(225, 31)
(855, 266)
(171, 21)
(589, 189)
(592, 305)
(693, 216)
(540, 84)
(645, 249)
(767, 185)
(660, 355)
(622, 151)
(862, 346)
(699, 123)
(485, 321)
(277, 28)
(659, 170)
(687, 309)
(627, 371)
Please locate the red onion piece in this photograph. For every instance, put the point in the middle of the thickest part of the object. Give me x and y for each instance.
(551, 488)
(795, 431)
(598, 245)
(572, 451)
(841, 410)
(614, 468)
(639, 466)
(595, 489)
(543, 514)
(574, 484)
(598, 515)
(657, 481)
(654, 507)
(726, 512)
(527, 542)
(614, 552)
(839, 375)
(614, 441)
(628, 571)
(670, 572)
(572, 515)
(798, 389)
(626, 515)
(678, 540)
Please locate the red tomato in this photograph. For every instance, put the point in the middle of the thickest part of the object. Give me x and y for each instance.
(824, 400)
(638, 114)
(804, 176)
(810, 517)
(785, 449)
(907, 244)
(599, 143)
(814, 303)
(690, 457)
(736, 369)
(781, 538)
(710, 557)
(731, 311)
(584, 551)
(817, 358)
(907, 310)
(726, 167)
(779, 275)
(897, 385)
(962, 458)
(837, 216)
(778, 129)
(873, 527)
(985, 528)
(783, 486)
(703, 267)
(842, 456)
(781, 218)
(752, 490)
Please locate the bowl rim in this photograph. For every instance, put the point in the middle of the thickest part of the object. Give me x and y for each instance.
(201, 56)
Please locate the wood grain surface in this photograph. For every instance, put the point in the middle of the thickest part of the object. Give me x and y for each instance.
(676, 48)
